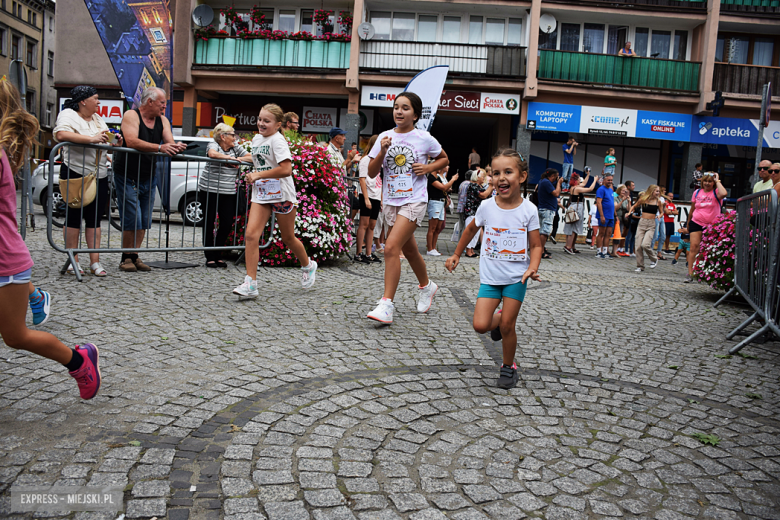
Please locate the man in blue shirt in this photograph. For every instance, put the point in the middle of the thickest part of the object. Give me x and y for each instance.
(547, 192)
(569, 151)
(605, 202)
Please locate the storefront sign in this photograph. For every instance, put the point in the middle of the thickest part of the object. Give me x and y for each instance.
(366, 120)
(729, 131)
(663, 125)
(554, 117)
(111, 110)
(451, 100)
(615, 122)
(244, 119)
(318, 119)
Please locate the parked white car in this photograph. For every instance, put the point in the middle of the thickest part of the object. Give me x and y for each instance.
(183, 193)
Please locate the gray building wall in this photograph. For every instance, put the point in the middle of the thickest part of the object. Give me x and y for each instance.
(48, 112)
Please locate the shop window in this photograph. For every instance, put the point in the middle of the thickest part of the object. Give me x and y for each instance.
(548, 40)
(287, 21)
(381, 22)
(570, 37)
(680, 45)
(426, 28)
(50, 64)
(30, 61)
(451, 29)
(514, 34)
(403, 27)
(660, 43)
(762, 51)
(641, 39)
(593, 38)
(475, 29)
(494, 31)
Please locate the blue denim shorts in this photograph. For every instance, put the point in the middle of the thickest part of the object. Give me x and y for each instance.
(135, 201)
(546, 217)
(16, 279)
(516, 291)
(436, 209)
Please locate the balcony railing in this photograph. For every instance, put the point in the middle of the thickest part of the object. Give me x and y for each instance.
(745, 79)
(750, 7)
(313, 54)
(642, 4)
(618, 71)
(492, 60)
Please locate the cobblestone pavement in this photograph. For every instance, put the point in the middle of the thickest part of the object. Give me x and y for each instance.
(294, 406)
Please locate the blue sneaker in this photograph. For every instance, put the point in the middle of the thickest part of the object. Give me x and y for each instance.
(41, 308)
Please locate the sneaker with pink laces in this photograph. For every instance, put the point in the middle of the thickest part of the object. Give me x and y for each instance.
(88, 376)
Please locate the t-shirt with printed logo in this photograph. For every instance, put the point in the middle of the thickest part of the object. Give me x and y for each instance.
(267, 153)
(406, 149)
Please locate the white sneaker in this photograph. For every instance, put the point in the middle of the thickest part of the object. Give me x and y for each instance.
(632, 255)
(638, 270)
(426, 296)
(247, 289)
(383, 312)
(433, 252)
(309, 274)
(652, 266)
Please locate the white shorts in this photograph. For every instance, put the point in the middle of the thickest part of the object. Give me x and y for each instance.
(22, 278)
(413, 211)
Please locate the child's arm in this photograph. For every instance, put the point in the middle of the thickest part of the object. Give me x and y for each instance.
(535, 249)
(280, 172)
(468, 233)
(376, 162)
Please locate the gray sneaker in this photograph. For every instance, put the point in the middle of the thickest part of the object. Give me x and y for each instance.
(688, 279)
(309, 274)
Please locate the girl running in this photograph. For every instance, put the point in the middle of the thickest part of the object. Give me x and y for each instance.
(511, 254)
(402, 154)
(17, 135)
(273, 190)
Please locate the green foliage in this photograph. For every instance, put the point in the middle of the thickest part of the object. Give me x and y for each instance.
(705, 438)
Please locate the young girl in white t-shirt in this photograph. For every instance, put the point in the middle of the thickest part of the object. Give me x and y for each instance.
(402, 154)
(273, 190)
(594, 225)
(511, 254)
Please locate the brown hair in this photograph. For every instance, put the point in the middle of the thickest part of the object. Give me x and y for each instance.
(522, 164)
(275, 110)
(289, 116)
(370, 144)
(17, 127)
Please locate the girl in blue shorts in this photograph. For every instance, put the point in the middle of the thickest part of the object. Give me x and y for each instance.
(511, 254)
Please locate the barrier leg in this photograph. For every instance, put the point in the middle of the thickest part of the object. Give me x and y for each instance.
(723, 298)
(742, 326)
(739, 346)
(71, 261)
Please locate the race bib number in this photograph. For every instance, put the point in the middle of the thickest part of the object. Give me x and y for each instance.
(399, 186)
(505, 244)
(269, 189)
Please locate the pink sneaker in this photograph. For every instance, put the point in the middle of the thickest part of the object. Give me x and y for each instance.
(88, 376)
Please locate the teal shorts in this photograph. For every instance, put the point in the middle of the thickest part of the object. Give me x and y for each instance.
(516, 291)
(685, 246)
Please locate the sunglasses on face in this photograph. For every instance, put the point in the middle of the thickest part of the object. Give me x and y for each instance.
(774, 171)
(763, 168)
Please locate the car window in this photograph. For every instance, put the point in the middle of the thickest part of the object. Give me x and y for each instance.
(200, 151)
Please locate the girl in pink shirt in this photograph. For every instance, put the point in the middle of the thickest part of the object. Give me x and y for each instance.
(17, 135)
(705, 208)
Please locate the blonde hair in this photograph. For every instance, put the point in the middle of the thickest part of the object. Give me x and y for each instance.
(647, 194)
(620, 188)
(17, 127)
(275, 111)
(220, 130)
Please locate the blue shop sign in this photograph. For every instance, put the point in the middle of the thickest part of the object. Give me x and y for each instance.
(663, 125)
(724, 130)
(554, 117)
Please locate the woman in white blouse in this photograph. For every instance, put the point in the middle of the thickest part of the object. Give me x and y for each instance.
(79, 123)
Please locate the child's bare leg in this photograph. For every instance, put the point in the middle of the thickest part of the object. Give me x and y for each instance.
(508, 321)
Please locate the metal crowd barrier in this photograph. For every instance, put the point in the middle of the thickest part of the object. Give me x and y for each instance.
(176, 187)
(756, 263)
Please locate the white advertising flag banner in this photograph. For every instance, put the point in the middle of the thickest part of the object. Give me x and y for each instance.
(429, 85)
(318, 119)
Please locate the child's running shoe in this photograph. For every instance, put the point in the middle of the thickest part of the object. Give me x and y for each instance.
(88, 376)
(247, 289)
(40, 307)
(507, 376)
(309, 274)
(426, 296)
(383, 313)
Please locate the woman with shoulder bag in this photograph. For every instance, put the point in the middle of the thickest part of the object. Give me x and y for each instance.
(622, 205)
(575, 213)
(80, 123)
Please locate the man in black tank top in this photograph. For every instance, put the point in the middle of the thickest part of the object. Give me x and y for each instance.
(147, 130)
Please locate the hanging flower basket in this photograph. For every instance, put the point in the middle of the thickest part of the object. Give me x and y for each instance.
(716, 265)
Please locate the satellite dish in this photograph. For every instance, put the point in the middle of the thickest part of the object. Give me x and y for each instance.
(202, 15)
(366, 31)
(547, 23)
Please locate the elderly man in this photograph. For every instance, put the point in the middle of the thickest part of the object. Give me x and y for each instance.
(147, 130)
(336, 144)
(763, 172)
(605, 202)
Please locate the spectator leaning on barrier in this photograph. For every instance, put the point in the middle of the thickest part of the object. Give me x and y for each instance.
(763, 173)
(217, 190)
(80, 123)
(147, 130)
